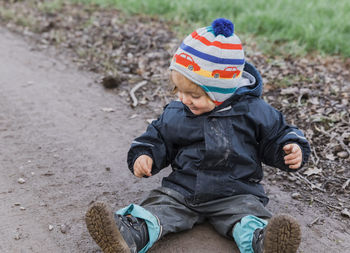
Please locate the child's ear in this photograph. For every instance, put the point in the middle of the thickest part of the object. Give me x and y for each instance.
(174, 91)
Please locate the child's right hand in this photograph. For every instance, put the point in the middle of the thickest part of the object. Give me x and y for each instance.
(143, 166)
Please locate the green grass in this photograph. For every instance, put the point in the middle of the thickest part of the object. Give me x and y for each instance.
(50, 6)
(314, 25)
(25, 21)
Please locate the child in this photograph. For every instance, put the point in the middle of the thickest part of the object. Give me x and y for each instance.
(215, 138)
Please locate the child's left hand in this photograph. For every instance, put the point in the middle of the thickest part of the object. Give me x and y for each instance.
(293, 156)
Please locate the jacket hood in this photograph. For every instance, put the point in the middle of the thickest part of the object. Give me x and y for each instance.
(255, 89)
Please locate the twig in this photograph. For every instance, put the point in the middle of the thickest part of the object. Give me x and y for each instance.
(344, 120)
(312, 186)
(342, 144)
(346, 184)
(155, 93)
(313, 222)
(326, 204)
(316, 156)
(133, 90)
(299, 99)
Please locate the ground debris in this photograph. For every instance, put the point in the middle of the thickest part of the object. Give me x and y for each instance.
(133, 90)
(21, 180)
(107, 109)
(111, 82)
(63, 228)
(296, 195)
(346, 213)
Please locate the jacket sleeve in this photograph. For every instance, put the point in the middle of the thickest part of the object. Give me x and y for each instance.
(153, 144)
(273, 134)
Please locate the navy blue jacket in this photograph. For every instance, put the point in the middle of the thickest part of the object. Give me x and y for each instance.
(219, 153)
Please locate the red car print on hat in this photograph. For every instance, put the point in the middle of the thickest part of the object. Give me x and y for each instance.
(186, 61)
(229, 72)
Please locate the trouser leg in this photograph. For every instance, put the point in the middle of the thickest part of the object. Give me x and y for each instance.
(170, 208)
(224, 213)
(238, 218)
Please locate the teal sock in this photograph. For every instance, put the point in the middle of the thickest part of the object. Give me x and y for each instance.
(243, 232)
(151, 221)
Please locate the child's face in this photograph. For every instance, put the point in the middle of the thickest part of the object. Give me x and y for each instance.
(191, 94)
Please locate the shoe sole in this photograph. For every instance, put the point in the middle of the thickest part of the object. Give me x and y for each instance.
(283, 235)
(103, 229)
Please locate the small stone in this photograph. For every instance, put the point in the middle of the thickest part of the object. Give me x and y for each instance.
(63, 229)
(345, 213)
(292, 178)
(342, 154)
(18, 236)
(290, 91)
(107, 109)
(50, 227)
(22, 208)
(108, 169)
(21, 180)
(296, 195)
(17, 204)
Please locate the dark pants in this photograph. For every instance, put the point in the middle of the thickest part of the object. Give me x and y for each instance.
(176, 214)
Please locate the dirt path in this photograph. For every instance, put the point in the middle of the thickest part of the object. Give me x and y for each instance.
(55, 135)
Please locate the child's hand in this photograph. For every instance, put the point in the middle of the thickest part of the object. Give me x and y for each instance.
(143, 166)
(293, 156)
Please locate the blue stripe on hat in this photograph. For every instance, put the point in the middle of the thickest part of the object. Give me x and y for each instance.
(218, 89)
(209, 57)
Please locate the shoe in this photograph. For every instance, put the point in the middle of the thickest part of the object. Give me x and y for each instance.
(115, 233)
(281, 235)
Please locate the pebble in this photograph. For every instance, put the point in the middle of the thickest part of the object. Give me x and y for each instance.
(343, 154)
(50, 227)
(18, 236)
(63, 229)
(296, 195)
(107, 109)
(22, 208)
(345, 213)
(133, 116)
(21, 180)
(292, 178)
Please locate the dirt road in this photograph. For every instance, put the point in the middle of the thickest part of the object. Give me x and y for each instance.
(60, 149)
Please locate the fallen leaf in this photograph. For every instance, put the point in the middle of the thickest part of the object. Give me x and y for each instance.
(312, 171)
(330, 157)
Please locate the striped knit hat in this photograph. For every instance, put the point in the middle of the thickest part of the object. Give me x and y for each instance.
(213, 58)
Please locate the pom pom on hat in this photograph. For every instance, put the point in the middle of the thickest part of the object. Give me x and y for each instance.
(222, 26)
